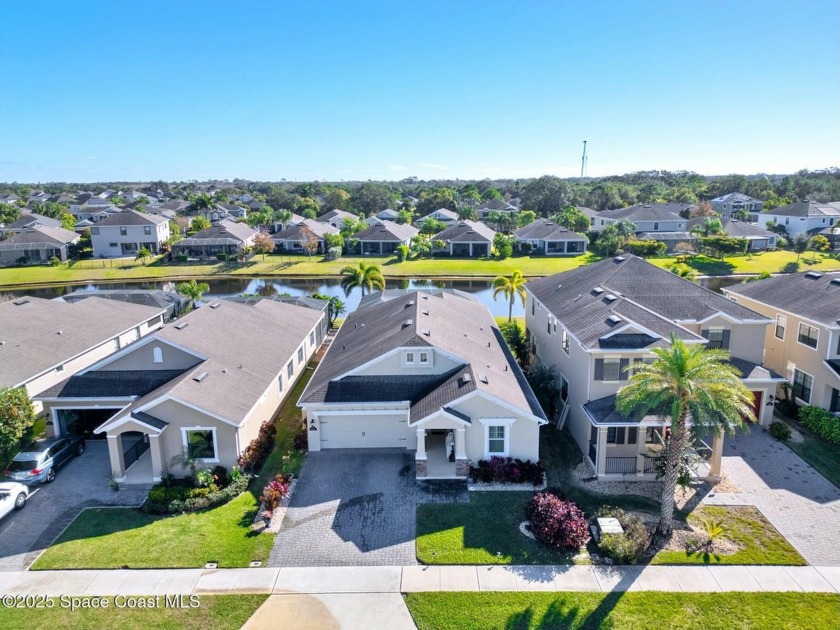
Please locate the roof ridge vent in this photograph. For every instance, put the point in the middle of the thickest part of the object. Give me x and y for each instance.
(619, 259)
(483, 378)
(200, 377)
(465, 378)
(407, 323)
(598, 290)
(609, 297)
(835, 281)
(427, 332)
(215, 305)
(20, 302)
(410, 303)
(181, 325)
(614, 319)
(813, 274)
(425, 311)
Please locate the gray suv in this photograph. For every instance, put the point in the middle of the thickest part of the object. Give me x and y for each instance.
(39, 462)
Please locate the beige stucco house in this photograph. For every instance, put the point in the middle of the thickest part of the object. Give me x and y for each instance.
(593, 323)
(803, 343)
(428, 372)
(202, 385)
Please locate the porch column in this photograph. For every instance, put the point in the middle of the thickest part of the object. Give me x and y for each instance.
(461, 468)
(154, 449)
(420, 457)
(717, 454)
(115, 452)
(601, 453)
(565, 247)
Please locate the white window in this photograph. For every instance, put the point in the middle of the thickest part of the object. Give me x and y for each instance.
(200, 443)
(300, 354)
(409, 357)
(564, 341)
(157, 355)
(781, 322)
(147, 229)
(94, 230)
(496, 436)
(312, 338)
(424, 358)
(612, 369)
(290, 369)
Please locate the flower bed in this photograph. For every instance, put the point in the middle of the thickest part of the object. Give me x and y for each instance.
(209, 488)
(274, 500)
(505, 470)
(255, 454)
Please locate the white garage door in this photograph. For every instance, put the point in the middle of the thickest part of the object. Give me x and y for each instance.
(363, 431)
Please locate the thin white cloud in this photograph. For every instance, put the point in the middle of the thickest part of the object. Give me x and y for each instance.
(432, 166)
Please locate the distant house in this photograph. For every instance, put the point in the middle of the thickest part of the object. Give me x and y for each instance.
(388, 214)
(225, 238)
(654, 221)
(36, 246)
(548, 237)
(290, 239)
(494, 205)
(9, 198)
(27, 222)
(759, 238)
(385, 237)
(233, 211)
(590, 213)
(126, 233)
(279, 226)
(336, 217)
(735, 202)
(466, 238)
(441, 214)
(803, 216)
(174, 304)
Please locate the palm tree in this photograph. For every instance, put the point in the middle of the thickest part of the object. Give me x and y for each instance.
(364, 276)
(686, 382)
(192, 289)
(711, 225)
(143, 254)
(511, 287)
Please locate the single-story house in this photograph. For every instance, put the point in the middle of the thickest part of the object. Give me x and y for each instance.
(290, 239)
(27, 222)
(758, 237)
(385, 237)
(388, 214)
(336, 217)
(466, 238)
(174, 304)
(494, 205)
(201, 386)
(427, 372)
(548, 237)
(225, 237)
(37, 246)
(442, 214)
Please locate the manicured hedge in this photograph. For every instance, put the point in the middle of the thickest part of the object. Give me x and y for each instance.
(821, 422)
(175, 499)
(508, 470)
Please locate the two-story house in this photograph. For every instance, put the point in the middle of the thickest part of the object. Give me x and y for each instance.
(803, 217)
(653, 221)
(803, 343)
(726, 204)
(126, 233)
(428, 372)
(593, 323)
(494, 205)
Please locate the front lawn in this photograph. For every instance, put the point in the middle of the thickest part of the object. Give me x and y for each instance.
(822, 455)
(707, 611)
(780, 261)
(220, 612)
(110, 538)
(745, 526)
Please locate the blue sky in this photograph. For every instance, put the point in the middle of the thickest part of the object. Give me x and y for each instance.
(385, 90)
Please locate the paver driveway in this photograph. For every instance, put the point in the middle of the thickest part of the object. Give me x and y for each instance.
(350, 508)
(51, 507)
(802, 504)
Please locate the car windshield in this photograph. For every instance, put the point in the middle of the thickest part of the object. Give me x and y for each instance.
(29, 464)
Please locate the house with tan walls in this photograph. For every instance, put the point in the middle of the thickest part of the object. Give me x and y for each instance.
(427, 372)
(202, 385)
(592, 324)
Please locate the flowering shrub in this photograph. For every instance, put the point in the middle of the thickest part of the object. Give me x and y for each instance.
(275, 491)
(508, 470)
(255, 454)
(173, 498)
(557, 523)
(203, 478)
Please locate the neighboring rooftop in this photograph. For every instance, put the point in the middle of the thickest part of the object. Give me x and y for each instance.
(387, 231)
(220, 233)
(466, 232)
(31, 220)
(736, 197)
(131, 217)
(547, 230)
(811, 294)
(648, 212)
(295, 231)
(806, 209)
(39, 237)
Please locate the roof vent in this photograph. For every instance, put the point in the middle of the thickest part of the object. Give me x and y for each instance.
(425, 311)
(215, 305)
(835, 281)
(483, 378)
(425, 297)
(609, 297)
(614, 319)
(200, 377)
(465, 378)
(597, 290)
(619, 259)
(408, 304)
(20, 302)
(181, 326)
(813, 274)
(407, 323)
(427, 332)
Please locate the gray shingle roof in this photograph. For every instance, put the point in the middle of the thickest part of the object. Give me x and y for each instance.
(106, 384)
(387, 231)
(497, 204)
(31, 220)
(602, 410)
(295, 232)
(834, 364)
(466, 232)
(813, 295)
(39, 237)
(547, 230)
(336, 214)
(736, 197)
(132, 217)
(753, 371)
(648, 212)
(223, 232)
(739, 229)
(806, 209)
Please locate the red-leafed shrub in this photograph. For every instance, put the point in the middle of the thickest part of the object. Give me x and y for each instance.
(508, 470)
(275, 491)
(557, 523)
(302, 441)
(255, 454)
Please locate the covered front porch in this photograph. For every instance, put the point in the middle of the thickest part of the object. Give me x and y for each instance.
(134, 448)
(441, 447)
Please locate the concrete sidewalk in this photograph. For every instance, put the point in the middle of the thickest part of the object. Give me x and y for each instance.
(410, 579)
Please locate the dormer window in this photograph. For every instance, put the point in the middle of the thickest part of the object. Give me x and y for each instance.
(409, 357)
(424, 358)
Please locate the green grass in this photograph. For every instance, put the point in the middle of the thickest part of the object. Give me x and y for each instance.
(220, 612)
(678, 611)
(108, 538)
(759, 541)
(772, 262)
(823, 456)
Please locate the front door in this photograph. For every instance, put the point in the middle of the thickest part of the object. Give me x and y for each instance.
(757, 398)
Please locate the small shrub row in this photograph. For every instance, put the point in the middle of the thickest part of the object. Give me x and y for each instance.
(173, 499)
(821, 422)
(780, 430)
(508, 470)
(626, 548)
(557, 522)
(255, 454)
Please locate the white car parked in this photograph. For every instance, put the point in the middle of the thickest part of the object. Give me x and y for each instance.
(13, 496)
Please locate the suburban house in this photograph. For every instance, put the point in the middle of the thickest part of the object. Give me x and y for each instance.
(653, 221)
(735, 202)
(443, 215)
(803, 216)
(173, 304)
(290, 239)
(201, 386)
(494, 205)
(550, 238)
(232, 211)
(427, 372)
(42, 342)
(36, 246)
(388, 214)
(758, 237)
(336, 218)
(27, 222)
(803, 343)
(126, 233)
(592, 323)
(225, 238)
(466, 238)
(588, 212)
(279, 226)
(385, 237)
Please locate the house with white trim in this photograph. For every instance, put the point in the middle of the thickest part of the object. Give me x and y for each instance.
(803, 217)
(126, 233)
(202, 385)
(428, 372)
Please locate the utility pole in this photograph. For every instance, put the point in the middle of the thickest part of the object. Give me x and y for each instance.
(583, 160)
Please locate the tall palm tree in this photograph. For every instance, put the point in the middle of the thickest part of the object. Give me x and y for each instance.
(511, 286)
(686, 382)
(364, 276)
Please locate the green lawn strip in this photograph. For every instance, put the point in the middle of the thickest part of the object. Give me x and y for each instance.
(743, 525)
(823, 456)
(220, 612)
(678, 611)
(780, 261)
(110, 538)
(483, 531)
